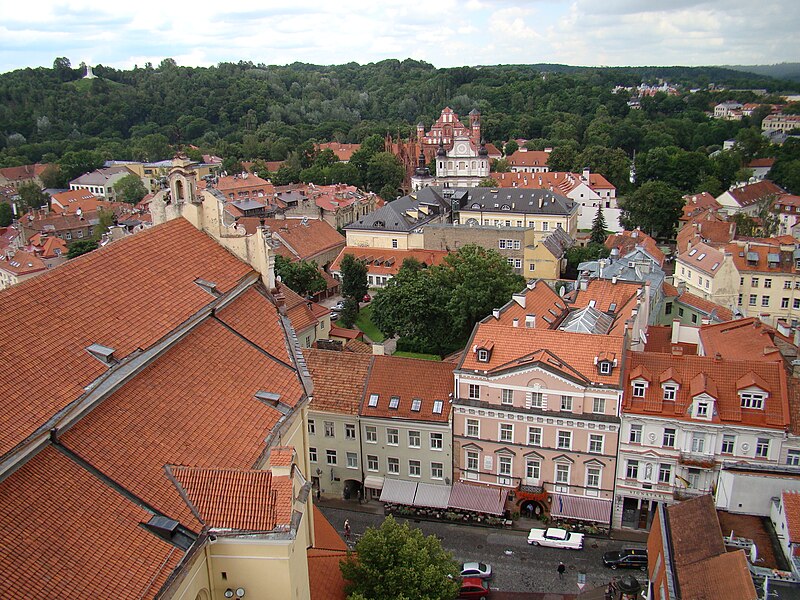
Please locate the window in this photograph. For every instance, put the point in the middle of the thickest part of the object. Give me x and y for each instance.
(437, 470)
(545, 226)
(599, 405)
(793, 458)
(565, 440)
(566, 403)
(698, 443)
(472, 464)
(562, 476)
(739, 301)
(373, 400)
(330, 456)
(312, 427)
(349, 431)
(416, 404)
(632, 469)
(473, 428)
(754, 282)
(764, 300)
(664, 473)
(371, 434)
(694, 479)
(728, 444)
(534, 436)
(392, 437)
(504, 470)
(762, 448)
(605, 367)
(394, 402)
(787, 285)
(592, 480)
(372, 462)
(669, 438)
(394, 243)
(753, 299)
(393, 466)
(483, 355)
(595, 443)
(536, 399)
(638, 389)
(702, 409)
(507, 396)
(506, 432)
(668, 308)
(312, 454)
(414, 468)
(437, 407)
(352, 460)
(533, 469)
(635, 435)
(784, 303)
(474, 391)
(669, 392)
(751, 400)
(768, 283)
(330, 429)
(413, 439)
(796, 303)
(436, 441)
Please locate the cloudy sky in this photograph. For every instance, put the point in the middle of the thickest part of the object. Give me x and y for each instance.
(445, 33)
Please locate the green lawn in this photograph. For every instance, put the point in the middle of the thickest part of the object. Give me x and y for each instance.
(365, 324)
(417, 355)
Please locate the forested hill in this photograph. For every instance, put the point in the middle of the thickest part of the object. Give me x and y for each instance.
(258, 111)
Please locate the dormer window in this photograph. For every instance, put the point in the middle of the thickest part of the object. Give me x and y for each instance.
(702, 409)
(605, 367)
(639, 388)
(483, 351)
(670, 390)
(752, 400)
(483, 355)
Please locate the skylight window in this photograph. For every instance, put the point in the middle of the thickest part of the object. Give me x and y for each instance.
(394, 402)
(716, 264)
(416, 404)
(693, 252)
(702, 256)
(437, 407)
(373, 400)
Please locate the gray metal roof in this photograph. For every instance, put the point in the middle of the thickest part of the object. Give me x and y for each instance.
(394, 216)
(587, 320)
(542, 202)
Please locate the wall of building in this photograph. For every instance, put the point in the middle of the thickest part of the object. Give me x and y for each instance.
(752, 493)
(333, 477)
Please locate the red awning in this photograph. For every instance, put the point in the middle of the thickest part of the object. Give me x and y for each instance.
(581, 508)
(488, 500)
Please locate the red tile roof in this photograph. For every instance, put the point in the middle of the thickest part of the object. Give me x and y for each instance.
(22, 263)
(66, 534)
(243, 500)
(698, 203)
(339, 379)
(72, 200)
(745, 339)
(706, 307)
(528, 158)
(24, 172)
(706, 227)
(300, 311)
(540, 301)
(249, 186)
(342, 151)
(716, 377)
(760, 163)
(408, 379)
(148, 298)
(559, 181)
(570, 354)
(306, 239)
(53, 247)
(387, 261)
(742, 258)
(627, 241)
(325, 576)
(791, 508)
(751, 193)
(703, 257)
(161, 408)
(659, 339)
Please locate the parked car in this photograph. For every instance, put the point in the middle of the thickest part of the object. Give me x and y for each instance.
(334, 315)
(556, 538)
(476, 569)
(626, 558)
(338, 306)
(366, 298)
(472, 587)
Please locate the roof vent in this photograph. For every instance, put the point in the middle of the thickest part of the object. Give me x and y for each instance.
(273, 399)
(208, 286)
(102, 353)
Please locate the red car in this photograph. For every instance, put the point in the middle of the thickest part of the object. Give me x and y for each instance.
(472, 587)
(366, 298)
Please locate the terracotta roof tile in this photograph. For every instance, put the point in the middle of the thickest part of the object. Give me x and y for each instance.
(339, 379)
(698, 203)
(325, 535)
(540, 300)
(529, 158)
(703, 257)
(194, 406)
(65, 534)
(24, 172)
(47, 316)
(342, 151)
(695, 531)
(723, 577)
(22, 263)
(751, 193)
(282, 456)
(387, 261)
(718, 378)
(306, 239)
(243, 500)
(409, 379)
(745, 340)
(791, 508)
(627, 241)
(707, 307)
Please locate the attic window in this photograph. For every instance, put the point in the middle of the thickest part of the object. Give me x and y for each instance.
(605, 367)
(670, 389)
(693, 252)
(483, 355)
(702, 256)
(373, 400)
(752, 400)
(639, 388)
(394, 402)
(437, 406)
(713, 268)
(416, 404)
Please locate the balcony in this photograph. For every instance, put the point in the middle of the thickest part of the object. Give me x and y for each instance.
(688, 493)
(694, 459)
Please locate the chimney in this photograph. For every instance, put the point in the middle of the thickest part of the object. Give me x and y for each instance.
(583, 285)
(496, 313)
(378, 350)
(586, 172)
(614, 280)
(515, 322)
(677, 350)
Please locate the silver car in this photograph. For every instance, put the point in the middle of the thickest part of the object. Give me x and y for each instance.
(476, 569)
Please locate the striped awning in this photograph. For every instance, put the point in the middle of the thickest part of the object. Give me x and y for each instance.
(581, 508)
(373, 481)
(398, 491)
(475, 498)
(432, 496)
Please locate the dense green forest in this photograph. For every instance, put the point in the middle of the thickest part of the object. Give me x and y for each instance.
(246, 111)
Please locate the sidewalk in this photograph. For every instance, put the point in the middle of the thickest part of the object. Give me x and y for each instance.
(376, 508)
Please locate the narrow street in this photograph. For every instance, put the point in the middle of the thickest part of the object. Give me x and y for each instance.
(517, 566)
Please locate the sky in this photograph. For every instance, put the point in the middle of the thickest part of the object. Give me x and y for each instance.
(445, 33)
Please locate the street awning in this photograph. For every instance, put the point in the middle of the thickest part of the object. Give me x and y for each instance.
(373, 481)
(482, 499)
(398, 491)
(432, 496)
(581, 508)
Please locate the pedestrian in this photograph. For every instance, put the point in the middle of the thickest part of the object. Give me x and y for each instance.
(613, 586)
(347, 530)
(609, 592)
(561, 569)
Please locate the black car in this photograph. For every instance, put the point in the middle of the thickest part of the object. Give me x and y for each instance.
(626, 558)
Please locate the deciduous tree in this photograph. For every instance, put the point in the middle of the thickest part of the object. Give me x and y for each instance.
(301, 276)
(354, 278)
(655, 207)
(79, 247)
(130, 189)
